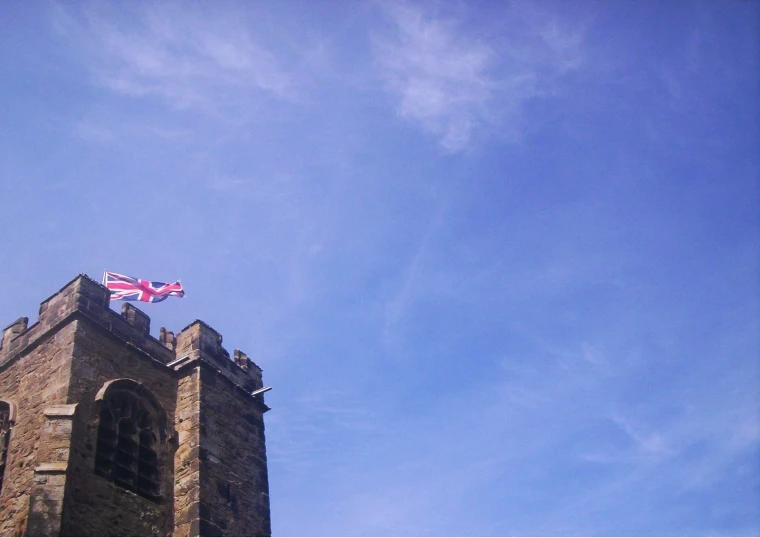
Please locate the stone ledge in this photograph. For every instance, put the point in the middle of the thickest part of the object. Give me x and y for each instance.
(60, 411)
(202, 362)
(53, 467)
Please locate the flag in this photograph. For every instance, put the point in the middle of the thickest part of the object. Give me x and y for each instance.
(127, 288)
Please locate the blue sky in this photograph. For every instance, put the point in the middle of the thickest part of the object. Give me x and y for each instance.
(499, 260)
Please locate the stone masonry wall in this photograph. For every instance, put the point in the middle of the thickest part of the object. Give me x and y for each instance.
(98, 506)
(234, 484)
(227, 423)
(48, 499)
(186, 459)
(35, 368)
(212, 456)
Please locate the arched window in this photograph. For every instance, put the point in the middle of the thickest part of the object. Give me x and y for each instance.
(6, 421)
(130, 437)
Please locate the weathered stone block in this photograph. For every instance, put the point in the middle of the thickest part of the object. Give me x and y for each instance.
(135, 317)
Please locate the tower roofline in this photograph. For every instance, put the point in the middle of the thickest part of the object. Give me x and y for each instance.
(83, 296)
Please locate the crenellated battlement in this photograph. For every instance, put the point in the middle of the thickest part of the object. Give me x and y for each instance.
(13, 330)
(136, 318)
(85, 297)
(82, 297)
(201, 341)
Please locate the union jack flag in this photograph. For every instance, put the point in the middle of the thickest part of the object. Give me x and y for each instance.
(127, 288)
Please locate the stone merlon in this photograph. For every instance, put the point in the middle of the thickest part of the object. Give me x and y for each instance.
(84, 297)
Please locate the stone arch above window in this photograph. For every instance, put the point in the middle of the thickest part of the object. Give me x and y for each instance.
(7, 420)
(131, 437)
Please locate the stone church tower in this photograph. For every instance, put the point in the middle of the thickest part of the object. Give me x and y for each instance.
(106, 430)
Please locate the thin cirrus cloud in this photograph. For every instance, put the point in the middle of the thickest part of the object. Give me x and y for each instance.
(451, 84)
(178, 56)
(454, 85)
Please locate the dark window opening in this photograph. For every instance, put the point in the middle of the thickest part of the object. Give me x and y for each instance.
(127, 444)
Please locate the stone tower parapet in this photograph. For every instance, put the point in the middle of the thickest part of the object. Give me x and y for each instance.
(109, 430)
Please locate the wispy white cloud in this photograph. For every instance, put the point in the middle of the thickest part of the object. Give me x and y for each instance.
(649, 443)
(669, 460)
(188, 58)
(415, 274)
(397, 304)
(442, 81)
(454, 84)
(540, 414)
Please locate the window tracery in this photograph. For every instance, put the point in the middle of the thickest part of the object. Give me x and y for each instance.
(128, 444)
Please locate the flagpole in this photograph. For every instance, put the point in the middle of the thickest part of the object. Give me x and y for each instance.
(104, 284)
